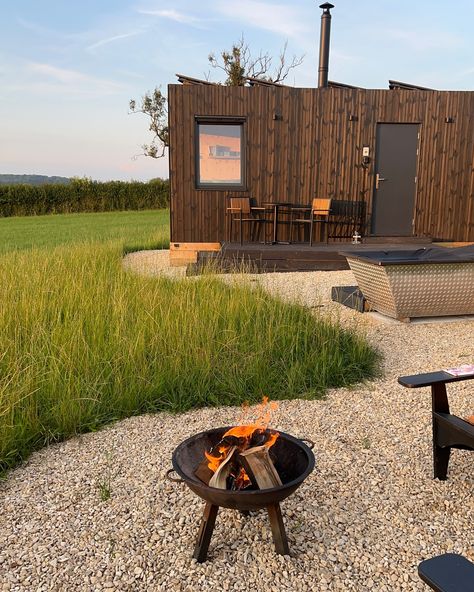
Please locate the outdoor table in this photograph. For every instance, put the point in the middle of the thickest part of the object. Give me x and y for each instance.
(276, 206)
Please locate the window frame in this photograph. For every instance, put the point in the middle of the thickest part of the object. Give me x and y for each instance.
(222, 120)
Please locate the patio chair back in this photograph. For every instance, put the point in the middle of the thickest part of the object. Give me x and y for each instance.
(242, 204)
(318, 216)
(321, 206)
(244, 210)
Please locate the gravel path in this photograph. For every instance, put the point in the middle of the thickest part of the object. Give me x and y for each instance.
(362, 521)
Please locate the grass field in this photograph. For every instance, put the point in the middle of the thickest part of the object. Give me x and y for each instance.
(82, 342)
(143, 229)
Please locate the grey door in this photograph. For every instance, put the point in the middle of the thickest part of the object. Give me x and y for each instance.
(395, 179)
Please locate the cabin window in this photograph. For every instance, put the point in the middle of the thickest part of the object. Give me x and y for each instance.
(219, 154)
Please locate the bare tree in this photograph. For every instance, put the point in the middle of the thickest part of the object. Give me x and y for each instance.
(239, 64)
(155, 106)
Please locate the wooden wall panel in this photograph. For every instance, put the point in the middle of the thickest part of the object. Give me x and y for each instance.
(314, 149)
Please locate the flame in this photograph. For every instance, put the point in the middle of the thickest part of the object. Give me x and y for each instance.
(242, 480)
(215, 460)
(271, 439)
(245, 434)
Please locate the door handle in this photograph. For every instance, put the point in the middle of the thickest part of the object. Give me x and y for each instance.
(378, 178)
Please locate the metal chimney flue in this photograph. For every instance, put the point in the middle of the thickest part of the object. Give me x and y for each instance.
(324, 45)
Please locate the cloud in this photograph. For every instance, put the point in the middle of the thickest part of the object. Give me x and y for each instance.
(50, 78)
(76, 40)
(277, 18)
(129, 74)
(343, 57)
(41, 30)
(59, 74)
(467, 72)
(174, 15)
(424, 41)
(108, 40)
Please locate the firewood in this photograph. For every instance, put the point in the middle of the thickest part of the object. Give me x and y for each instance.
(203, 472)
(219, 479)
(259, 437)
(260, 468)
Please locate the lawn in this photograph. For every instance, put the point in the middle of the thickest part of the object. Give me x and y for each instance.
(83, 343)
(135, 230)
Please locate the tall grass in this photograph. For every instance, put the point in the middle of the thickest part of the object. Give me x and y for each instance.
(83, 343)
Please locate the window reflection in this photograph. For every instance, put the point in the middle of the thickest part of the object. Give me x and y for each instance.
(220, 154)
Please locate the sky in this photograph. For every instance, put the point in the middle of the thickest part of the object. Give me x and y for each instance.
(69, 67)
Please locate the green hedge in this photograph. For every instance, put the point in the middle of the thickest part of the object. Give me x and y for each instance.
(83, 195)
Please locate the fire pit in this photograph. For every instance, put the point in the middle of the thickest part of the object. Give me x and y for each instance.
(291, 457)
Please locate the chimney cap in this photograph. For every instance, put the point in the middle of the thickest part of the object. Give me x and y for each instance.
(326, 6)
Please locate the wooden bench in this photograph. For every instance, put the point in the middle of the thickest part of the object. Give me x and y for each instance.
(448, 573)
(449, 431)
(345, 218)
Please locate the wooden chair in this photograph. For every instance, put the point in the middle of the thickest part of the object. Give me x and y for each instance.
(318, 214)
(449, 431)
(242, 210)
(448, 573)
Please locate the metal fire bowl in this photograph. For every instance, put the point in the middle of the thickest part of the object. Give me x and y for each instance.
(294, 462)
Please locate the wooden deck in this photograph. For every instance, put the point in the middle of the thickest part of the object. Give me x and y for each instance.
(298, 257)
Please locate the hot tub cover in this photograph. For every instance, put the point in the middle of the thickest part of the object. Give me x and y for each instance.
(414, 256)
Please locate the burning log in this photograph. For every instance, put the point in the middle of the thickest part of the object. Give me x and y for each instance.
(203, 472)
(259, 467)
(240, 466)
(240, 460)
(225, 466)
(219, 479)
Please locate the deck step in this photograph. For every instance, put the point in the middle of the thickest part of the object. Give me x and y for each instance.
(266, 258)
(394, 240)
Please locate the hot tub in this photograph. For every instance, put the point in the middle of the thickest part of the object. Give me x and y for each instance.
(428, 282)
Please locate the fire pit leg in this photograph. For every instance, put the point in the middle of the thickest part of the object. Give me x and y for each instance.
(205, 532)
(278, 529)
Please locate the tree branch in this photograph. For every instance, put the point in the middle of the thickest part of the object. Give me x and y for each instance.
(154, 105)
(238, 64)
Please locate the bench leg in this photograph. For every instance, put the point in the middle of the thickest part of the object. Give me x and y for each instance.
(440, 462)
(439, 402)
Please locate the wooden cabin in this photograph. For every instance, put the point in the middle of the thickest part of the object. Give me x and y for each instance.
(407, 153)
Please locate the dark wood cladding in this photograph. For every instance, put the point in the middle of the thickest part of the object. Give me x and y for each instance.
(313, 148)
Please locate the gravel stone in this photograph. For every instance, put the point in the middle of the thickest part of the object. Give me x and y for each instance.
(364, 519)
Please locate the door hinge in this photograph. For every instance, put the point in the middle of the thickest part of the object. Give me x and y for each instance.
(416, 179)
